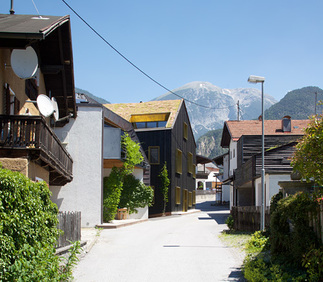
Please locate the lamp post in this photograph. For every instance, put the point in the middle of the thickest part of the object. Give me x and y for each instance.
(260, 79)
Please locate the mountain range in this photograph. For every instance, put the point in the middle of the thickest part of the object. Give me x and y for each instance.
(208, 106)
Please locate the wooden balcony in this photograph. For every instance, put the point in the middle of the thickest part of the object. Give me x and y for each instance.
(30, 136)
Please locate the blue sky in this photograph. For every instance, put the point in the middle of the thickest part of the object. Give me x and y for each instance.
(180, 41)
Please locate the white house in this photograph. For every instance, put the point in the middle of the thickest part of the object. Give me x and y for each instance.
(94, 141)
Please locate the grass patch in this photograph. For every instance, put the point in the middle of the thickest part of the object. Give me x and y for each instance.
(235, 239)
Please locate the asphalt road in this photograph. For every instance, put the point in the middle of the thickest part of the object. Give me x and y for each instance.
(174, 248)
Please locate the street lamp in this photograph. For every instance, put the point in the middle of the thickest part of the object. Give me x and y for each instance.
(260, 79)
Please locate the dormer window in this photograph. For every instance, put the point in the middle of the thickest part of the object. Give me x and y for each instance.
(149, 120)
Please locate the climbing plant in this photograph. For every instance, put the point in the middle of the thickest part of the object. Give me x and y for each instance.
(114, 183)
(164, 185)
(135, 194)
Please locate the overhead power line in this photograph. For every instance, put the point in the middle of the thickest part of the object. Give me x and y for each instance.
(135, 66)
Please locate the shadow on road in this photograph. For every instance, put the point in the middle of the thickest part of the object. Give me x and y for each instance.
(219, 213)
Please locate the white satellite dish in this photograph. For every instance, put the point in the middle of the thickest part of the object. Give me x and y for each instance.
(24, 62)
(55, 106)
(45, 105)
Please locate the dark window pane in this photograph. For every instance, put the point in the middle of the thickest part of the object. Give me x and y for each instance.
(140, 124)
(151, 124)
(162, 124)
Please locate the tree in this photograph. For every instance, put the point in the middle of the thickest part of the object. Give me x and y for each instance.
(308, 158)
(113, 184)
(164, 185)
(135, 194)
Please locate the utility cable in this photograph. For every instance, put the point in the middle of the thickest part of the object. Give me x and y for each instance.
(136, 67)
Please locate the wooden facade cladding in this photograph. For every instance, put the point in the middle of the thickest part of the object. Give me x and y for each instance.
(249, 145)
(31, 136)
(170, 141)
(277, 161)
(245, 173)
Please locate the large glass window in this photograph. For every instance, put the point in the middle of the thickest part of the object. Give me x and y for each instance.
(153, 155)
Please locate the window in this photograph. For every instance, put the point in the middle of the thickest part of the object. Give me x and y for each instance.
(190, 199)
(190, 163)
(194, 171)
(234, 153)
(179, 161)
(11, 103)
(185, 130)
(178, 195)
(149, 120)
(194, 197)
(153, 155)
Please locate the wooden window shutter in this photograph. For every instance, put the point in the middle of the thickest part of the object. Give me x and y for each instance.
(6, 102)
(16, 106)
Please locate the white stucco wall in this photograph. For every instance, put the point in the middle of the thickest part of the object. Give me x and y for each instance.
(225, 193)
(83, 138)
(226, 166)
(271, 186)
(232, 157)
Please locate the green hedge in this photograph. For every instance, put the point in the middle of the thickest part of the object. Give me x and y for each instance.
(28, 230)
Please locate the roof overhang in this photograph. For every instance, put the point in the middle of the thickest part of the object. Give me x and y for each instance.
(50, 36)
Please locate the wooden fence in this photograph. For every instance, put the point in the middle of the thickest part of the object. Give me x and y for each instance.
(70, 224)
(248, 218)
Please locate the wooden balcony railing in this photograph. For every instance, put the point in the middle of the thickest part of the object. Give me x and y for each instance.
(22, 135)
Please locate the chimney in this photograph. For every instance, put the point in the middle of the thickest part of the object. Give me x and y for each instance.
(287, 124)
(11, 8)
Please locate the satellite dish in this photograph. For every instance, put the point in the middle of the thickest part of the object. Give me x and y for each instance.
(55, 106)
(45, 105)
(24, 63)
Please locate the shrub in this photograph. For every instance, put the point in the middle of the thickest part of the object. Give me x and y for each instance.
(257, 242)
(230, 222)
(28, 230)
(313, 262)
(112, 187)
(135, 194)
(291, 234)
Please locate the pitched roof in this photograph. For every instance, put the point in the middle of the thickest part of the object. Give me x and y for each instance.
(234, 129)
(126, 110)
(29, 26)
(51, 38)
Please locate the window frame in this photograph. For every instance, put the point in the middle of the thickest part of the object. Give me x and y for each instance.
(150, 148)
(179, 161)
(177, 195)
(185, 130)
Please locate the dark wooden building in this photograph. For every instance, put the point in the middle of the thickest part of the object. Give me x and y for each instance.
(165, 133)
(243, 164)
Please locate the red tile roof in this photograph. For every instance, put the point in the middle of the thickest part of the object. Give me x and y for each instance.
(234, 129)
(272, 127)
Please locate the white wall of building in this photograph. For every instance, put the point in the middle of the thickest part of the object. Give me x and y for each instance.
(83, 138)
(232, 156)
(271, 187)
